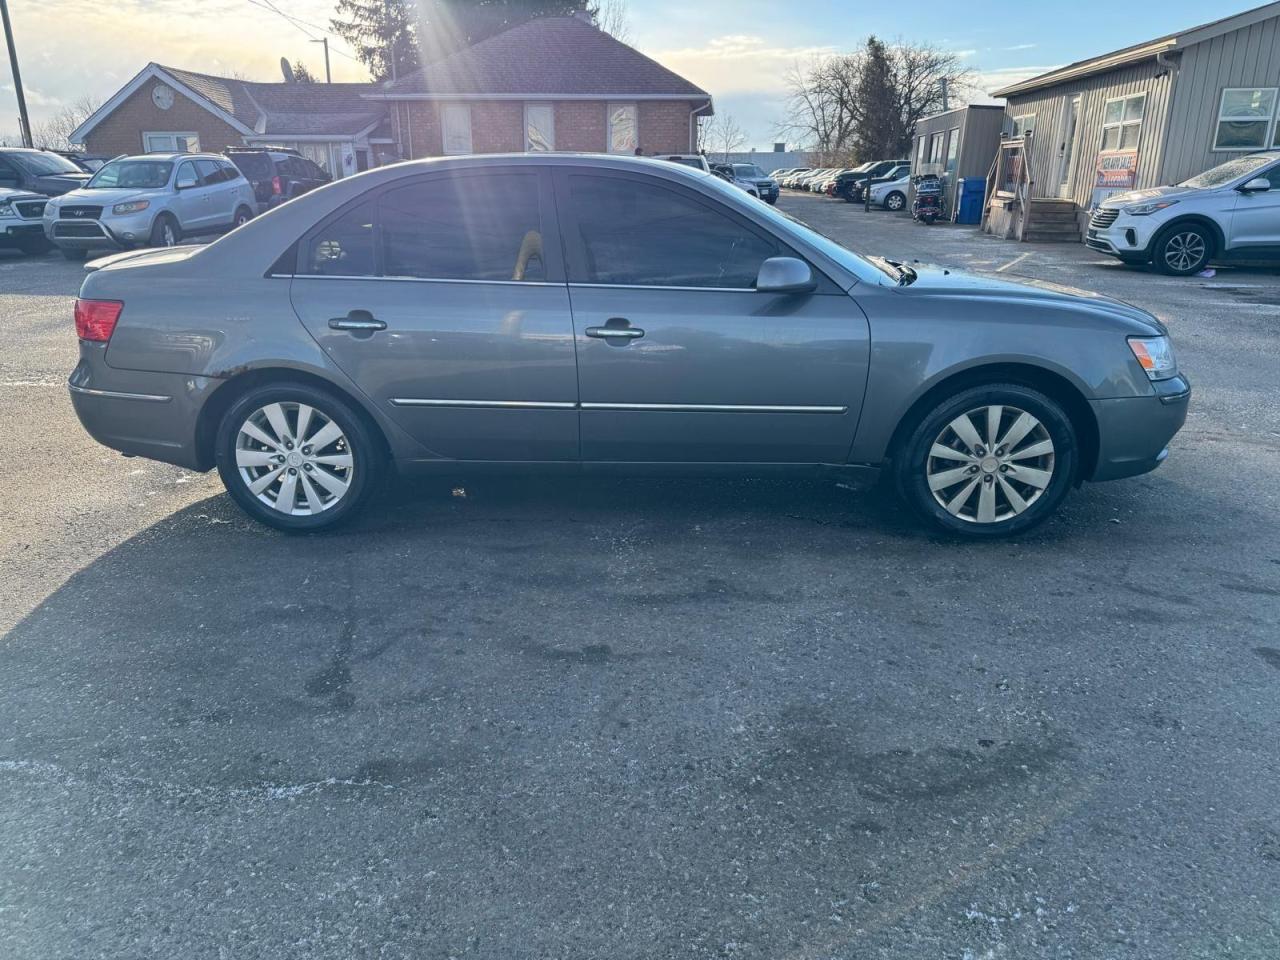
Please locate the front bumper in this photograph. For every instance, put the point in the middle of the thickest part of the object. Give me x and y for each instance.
(15, 232)
(1134, 432)
(1128, 238)
(114, 233)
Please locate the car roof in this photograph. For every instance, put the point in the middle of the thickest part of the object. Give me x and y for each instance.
(172, 157)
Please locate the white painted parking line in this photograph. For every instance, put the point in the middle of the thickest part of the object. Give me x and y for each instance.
(1013, 263)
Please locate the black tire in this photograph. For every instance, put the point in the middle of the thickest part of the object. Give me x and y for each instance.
(35, 246)
(74, 254)
(895, 201)
(912, 462)
(362, 443)
(243, 216)
(165, 232)
(1183, 249)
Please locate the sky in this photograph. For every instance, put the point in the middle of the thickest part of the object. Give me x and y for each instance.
(738, 50)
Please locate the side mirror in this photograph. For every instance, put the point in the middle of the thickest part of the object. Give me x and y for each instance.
(785, 275)
(185, 183)
(1256, 185)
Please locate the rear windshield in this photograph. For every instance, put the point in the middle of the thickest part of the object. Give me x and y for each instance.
(747, 170)
(253, 164)
(133, 173)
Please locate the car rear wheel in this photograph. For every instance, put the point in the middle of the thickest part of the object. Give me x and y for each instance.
(165, 232)
(243, 216)
(297, 458)
(895, 201)
(1185, 249)
(990, 462)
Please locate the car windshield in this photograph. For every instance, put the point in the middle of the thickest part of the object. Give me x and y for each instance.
(132, 173)
(44, 164)
(1226, 172)
(747, 170)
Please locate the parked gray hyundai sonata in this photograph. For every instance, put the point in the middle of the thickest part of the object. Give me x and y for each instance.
(605, 314)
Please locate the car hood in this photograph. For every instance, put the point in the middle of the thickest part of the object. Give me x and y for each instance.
(943, 283)
(8, 193)
(105, 195)
(59, 183)
(1139, 196)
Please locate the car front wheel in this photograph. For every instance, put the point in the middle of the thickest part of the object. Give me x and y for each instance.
(990, 462)
(1184, 250)
(165, 232)
(297, 458)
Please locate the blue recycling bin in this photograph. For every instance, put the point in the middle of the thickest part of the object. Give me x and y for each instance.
(969, 199)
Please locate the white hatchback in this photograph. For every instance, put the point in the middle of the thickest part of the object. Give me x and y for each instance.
(1231, 212)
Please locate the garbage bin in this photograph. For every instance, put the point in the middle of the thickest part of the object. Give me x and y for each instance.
(969, 199)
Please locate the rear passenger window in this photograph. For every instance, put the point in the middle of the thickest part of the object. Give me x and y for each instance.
(473, 228)
(210, 172)
(344, 247)
(643, 234)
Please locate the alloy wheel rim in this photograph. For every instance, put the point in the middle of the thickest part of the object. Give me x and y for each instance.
(990, 464)
(895, 202)
(294, 458)
(168, 236)
(1184, 250)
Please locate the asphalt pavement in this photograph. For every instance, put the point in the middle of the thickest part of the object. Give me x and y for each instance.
(647, 719)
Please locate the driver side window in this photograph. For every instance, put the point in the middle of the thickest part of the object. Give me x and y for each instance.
(644, 234)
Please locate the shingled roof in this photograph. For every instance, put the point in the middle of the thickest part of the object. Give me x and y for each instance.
(275, 109)
(546, 56)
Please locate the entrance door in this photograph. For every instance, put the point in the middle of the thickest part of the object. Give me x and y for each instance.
(443, 298)
(680, 359)
(1067, 148)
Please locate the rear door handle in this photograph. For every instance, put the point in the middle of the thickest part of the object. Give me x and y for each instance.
(615, 327)
(361, 320)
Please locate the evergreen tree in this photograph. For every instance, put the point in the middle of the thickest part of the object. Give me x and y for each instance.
(383, 34)
(301, 73)
(875, 133)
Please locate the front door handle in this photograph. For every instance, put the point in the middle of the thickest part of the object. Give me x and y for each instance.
(615, 327)
(361, 320)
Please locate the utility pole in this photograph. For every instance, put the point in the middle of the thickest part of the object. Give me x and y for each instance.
(328, 77)
(945, 104)
(23, 120)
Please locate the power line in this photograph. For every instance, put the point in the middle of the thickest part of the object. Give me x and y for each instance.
(302, 25)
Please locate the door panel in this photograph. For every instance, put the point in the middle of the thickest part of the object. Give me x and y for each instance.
(476, 358)
(191, 203)
(714, 367)
(679, 358)
(1256, 219)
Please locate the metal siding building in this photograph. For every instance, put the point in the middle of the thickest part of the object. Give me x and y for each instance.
(1182, 76)
(978, 129)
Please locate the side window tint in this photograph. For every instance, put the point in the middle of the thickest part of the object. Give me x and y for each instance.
(473, 228)
(645, 234)
(209, 172)
(343, 247)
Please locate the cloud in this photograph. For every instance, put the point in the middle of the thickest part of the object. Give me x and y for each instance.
(734, 63)
(1022, 46)
(988, 81)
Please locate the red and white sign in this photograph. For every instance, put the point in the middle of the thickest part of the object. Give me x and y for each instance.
(1117, 169)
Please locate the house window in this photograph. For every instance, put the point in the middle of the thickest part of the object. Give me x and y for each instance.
(921, 146)
(1122, 122)
(456, 124)
(1024, 124)
(936, 147)
(539, 127)
(953, 149)
(1245, 117)
(623, 135)
(186, 142)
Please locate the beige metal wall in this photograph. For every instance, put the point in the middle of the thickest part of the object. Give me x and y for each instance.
(1249, 57)
(979, 138)
(1048, 106)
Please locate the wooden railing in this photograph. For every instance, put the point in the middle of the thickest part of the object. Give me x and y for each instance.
(1009, 189)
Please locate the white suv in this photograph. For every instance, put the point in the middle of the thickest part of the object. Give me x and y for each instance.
(1231, 212)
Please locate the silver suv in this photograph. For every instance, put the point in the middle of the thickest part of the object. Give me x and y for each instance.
(150, 200)
(1231, 212)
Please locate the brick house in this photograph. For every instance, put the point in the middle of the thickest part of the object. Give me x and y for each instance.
(553, 83)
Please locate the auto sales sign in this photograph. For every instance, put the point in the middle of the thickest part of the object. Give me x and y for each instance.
(1117, 169)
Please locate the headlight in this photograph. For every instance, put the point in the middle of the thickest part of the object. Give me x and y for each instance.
(6, 210)
(1146, 209)
(133, 206)
(1155, 356)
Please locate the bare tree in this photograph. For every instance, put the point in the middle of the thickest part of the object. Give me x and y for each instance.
(924, 76)
(822, 103)
(611, 17)
(721, 134)
(55, 133)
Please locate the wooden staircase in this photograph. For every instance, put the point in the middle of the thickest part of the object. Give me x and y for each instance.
(1054, 221)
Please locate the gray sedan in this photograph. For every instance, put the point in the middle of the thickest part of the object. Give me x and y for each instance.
(605, 314)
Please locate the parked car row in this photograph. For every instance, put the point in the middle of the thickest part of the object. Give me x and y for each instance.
(748, 177)
(849, 183)
(81, 205)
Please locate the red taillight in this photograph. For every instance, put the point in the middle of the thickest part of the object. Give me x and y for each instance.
(276, 189)
(96, 319)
